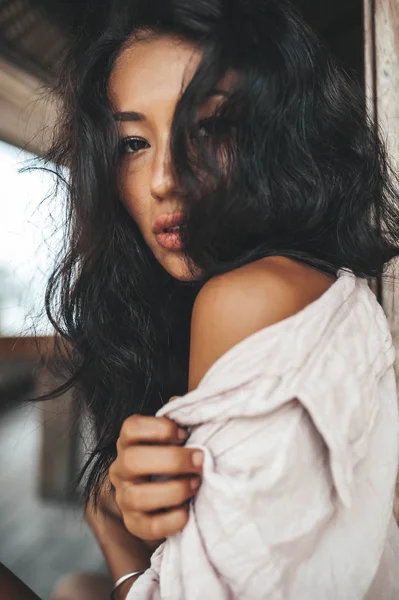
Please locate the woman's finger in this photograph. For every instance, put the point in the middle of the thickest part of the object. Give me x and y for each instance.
(140, 461)
(157, 526)
(138, 429)
(151, 497)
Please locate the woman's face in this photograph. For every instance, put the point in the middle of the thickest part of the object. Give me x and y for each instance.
(145, 86)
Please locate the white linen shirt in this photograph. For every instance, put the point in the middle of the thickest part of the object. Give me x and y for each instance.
(299, 427)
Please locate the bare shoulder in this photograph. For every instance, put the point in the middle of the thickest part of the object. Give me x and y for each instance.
(232, 306)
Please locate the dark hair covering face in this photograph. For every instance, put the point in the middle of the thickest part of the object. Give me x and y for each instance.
(293, 169)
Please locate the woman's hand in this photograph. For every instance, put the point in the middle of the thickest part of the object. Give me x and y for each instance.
(148, 447)
(123, 552)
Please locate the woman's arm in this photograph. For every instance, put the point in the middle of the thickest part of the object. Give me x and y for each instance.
(12, 588)
(123, 552)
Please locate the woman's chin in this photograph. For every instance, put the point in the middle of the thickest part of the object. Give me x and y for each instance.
(174, 263)
(182, 274)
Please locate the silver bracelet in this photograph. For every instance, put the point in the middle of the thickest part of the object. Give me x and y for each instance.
(122, 580)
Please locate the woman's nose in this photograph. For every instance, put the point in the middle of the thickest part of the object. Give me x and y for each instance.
(162, 178)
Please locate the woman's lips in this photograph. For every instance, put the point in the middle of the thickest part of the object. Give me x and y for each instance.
(167, 221)
(170, 240)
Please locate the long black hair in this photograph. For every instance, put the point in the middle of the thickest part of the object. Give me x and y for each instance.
(291, 167)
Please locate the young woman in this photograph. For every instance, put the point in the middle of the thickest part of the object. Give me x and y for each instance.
(227, 200)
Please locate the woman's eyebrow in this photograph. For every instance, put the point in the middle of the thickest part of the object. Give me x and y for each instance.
(129, 115)
(132, 115)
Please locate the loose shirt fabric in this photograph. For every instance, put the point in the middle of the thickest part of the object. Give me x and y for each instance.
(299, 428)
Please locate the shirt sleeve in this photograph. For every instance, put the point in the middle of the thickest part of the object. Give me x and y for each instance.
(264, 503)
(266, 496)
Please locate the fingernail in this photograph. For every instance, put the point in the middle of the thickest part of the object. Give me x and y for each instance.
(195, 483)
(197, 458)
(182, 434)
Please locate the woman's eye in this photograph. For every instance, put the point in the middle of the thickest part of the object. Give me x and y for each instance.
(132, 145)
(213, 126)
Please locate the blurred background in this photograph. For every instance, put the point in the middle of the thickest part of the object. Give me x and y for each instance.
(42, 532)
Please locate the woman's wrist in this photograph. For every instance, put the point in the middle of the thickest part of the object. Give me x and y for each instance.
(124, 552)
(121, 588)
(111, 532)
